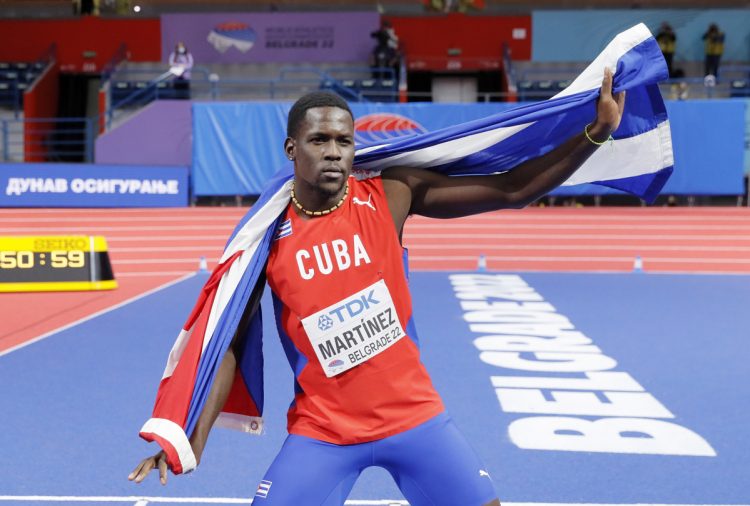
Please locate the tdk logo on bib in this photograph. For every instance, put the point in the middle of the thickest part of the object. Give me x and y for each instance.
(354, 307)
(354, 329)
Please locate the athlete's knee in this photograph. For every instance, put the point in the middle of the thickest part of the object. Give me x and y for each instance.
(494, 502)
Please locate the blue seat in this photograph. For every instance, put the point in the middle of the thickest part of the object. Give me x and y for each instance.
(352, 84)
(11, 93)
(379, 90)
(739, 88)
(527, 91)
(7, 95)
(327, 84)
(8, 75)
(119, 90)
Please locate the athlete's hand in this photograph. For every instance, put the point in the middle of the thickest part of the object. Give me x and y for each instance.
(156, 461)
(608, 110)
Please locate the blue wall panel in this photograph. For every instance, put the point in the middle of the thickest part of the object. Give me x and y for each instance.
(239, 146)
(579, 35)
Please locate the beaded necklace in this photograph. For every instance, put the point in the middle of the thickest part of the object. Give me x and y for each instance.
(319, 213)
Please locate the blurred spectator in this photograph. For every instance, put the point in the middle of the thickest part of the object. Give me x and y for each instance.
(680, 91)
(667, 42)
(714, 48)
(180, 63)
(385, 54)
(86, 7)
(453, 5)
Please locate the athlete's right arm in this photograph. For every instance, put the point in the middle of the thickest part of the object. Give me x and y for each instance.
(217, 397)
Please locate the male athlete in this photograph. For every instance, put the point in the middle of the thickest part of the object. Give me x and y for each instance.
(362, 396)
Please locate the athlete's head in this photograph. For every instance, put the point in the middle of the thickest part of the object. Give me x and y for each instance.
(320, 141)
(310, 101)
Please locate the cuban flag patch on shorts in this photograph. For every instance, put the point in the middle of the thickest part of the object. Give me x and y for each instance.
(263, 489)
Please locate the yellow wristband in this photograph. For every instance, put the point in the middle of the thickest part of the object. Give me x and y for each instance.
(586, 132)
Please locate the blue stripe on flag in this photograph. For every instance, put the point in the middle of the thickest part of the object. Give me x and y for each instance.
(225, 330)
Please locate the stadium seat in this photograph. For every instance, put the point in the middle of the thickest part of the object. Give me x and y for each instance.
(6, 93)
(8, 75)
(739, 88)
(119, 90)
(328, 84)
(546, 89)
(525, 90)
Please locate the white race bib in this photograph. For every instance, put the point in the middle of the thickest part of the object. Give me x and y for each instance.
(354, 330)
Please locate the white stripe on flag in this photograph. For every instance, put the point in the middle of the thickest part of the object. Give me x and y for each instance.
(628, 157)
(591, 77)
(177, 348)
(173, 433)
(449, 151)
(247, 240)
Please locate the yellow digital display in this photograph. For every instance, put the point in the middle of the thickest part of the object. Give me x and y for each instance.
(52, 263)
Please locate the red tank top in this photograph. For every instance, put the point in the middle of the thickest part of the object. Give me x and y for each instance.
(344, 315)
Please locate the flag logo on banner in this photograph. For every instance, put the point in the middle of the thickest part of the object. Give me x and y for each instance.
(232, 34)
(381, 127)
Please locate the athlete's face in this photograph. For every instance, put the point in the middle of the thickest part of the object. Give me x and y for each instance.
(323, 151)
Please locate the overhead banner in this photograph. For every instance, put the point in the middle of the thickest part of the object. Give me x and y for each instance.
(237, 147)
(241, 37)
(91, 185)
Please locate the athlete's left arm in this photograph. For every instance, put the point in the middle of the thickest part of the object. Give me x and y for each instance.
(416, 191)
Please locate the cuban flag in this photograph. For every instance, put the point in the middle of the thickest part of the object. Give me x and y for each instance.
(638, 161)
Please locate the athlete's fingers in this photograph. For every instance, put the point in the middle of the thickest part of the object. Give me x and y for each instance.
(606, 83)
(146, 466)
(137, 470)
(163, 469)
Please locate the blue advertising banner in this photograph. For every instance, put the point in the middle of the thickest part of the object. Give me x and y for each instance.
(240, 37)
(237, 147)
(89, 185)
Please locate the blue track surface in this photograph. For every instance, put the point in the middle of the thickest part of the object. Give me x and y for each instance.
(73, 403)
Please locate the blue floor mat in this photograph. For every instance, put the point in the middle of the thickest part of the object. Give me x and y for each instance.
(73, 403)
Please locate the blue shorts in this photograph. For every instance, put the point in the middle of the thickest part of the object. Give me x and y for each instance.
(432, 464)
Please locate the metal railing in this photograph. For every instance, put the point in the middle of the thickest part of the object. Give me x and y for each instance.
(130, 88)
(47, 139)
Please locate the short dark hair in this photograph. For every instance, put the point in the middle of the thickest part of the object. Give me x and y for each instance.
(310, 101)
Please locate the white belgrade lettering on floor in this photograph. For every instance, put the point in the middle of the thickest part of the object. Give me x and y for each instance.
(354, 330)
(519, 331)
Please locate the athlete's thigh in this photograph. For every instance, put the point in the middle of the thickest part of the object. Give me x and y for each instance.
(310, 472)
(433, 464)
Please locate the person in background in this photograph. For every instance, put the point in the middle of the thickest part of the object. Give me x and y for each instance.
(180, 63)
(667, 42)
(386, 52)
(714, 48)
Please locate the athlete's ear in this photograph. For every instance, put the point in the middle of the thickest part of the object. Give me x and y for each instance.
(290, 148)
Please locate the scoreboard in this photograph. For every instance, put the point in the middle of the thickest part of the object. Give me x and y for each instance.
(55, 263)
